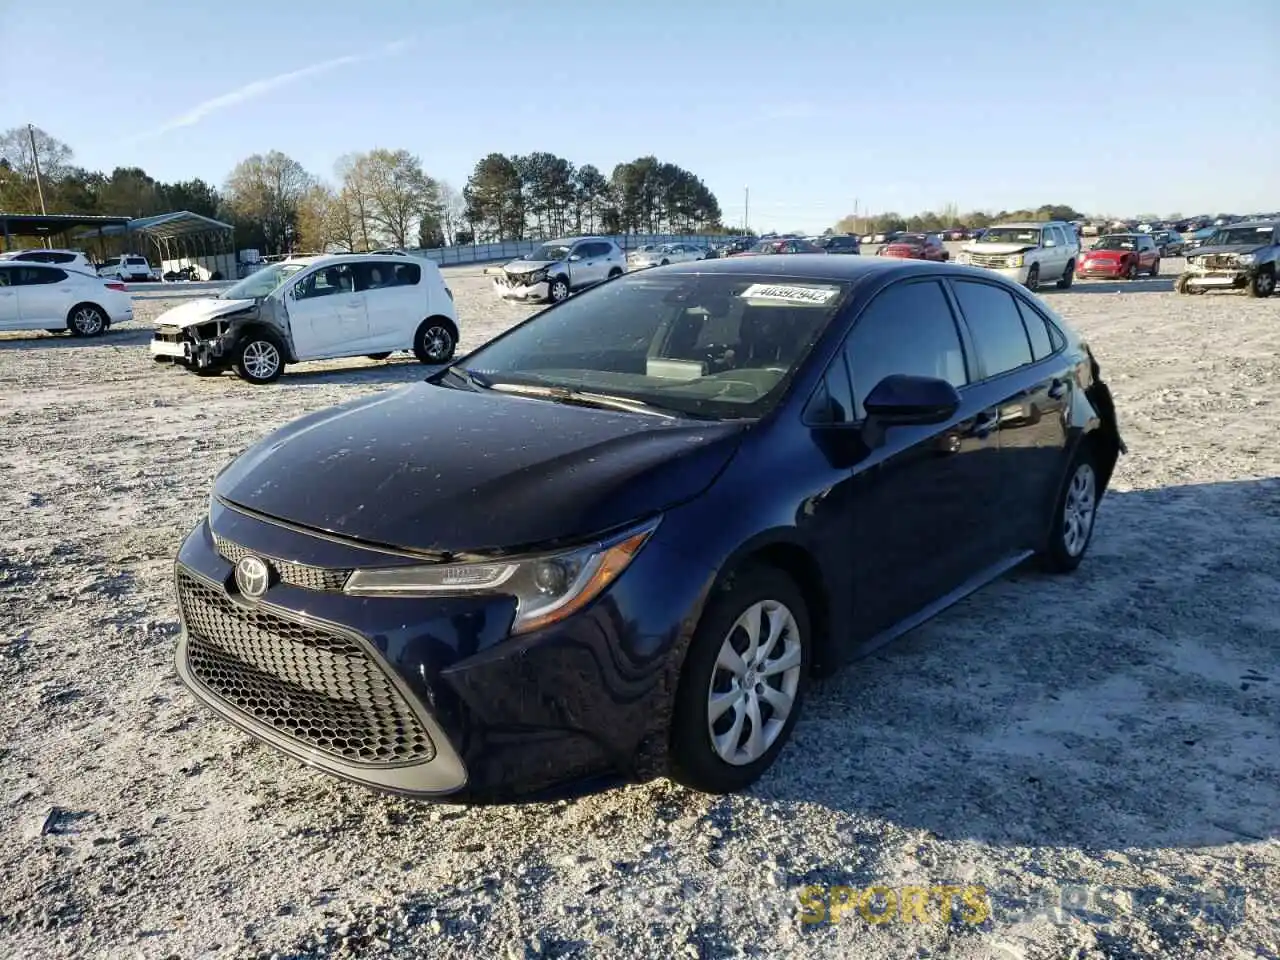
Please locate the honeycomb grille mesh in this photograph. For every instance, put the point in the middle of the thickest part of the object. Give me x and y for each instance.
(317, 687)
(295, 574)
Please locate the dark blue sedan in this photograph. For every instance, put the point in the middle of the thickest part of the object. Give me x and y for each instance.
(617, 541)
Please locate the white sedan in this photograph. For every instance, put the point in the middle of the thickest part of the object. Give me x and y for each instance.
(56, 299)
(666, 253)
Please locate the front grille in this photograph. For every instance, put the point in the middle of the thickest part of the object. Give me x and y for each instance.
(313, 685)
(996, 260)
(169, 334)
(294, 574)
(1220, 261)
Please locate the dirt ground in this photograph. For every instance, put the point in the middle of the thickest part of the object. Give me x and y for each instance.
(1099, 752)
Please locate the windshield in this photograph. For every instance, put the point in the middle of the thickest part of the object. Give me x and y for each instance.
(1241, 236)
(1027, 235)
(1116, 243)
(769, 246)
(718, 346)
(261, 282)
(549, 251)
(913, 238)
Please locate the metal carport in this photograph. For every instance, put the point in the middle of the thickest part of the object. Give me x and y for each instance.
(183, 238)
(47, 226)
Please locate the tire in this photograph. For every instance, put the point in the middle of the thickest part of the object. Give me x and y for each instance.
(1155, 268)
(254, 358)
(435, 341)
(1180, 285)
(379, 356)
(665, 263)
(1262, 285)
(1074, 514)
(1131, 273)
(694, 759)
(1065, 281)
(86, 320)
(558, 290)
(615, 272)
(1033, 277)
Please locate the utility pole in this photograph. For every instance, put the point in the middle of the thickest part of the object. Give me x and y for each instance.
(35, 159)
(855, 216)
(746, 210)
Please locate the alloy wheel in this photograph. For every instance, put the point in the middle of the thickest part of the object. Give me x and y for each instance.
(87, 321)
(754, 682)
(260, 360)
(1079, 509)
(437, 343)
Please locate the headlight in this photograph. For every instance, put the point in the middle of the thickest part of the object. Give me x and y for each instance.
(962, 257)
(1245, 259)
(539, 276)
(1016, 260)
(546, 588)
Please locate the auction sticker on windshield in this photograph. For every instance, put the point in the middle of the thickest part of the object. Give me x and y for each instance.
(817, 296)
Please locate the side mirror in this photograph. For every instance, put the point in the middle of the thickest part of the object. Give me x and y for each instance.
(1051, 243)
(575, 257)
(899, 399)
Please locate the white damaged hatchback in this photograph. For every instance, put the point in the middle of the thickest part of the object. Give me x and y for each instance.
(313, 308)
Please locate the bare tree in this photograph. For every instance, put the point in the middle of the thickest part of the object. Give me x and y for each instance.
(268, 189)
(353, 174)
(453, 212)
(19, 191)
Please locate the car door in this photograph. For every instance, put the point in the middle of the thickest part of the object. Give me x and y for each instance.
(10, 319)
(922, 510)
(589, 268)
(44, 296)
(1016, 345)
(327, 315)
(394, 301)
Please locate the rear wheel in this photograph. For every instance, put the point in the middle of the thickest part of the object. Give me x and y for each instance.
(743, 682)
(615, 272)
(86, 320)
(1068, 275)
(1155, 268)
(1074, 514)
(435, 341)
(1131, 271)
(259, 358)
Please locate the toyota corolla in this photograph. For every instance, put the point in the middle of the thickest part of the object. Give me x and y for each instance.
(617, 541)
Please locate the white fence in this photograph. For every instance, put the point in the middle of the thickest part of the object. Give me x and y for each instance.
(510, 249)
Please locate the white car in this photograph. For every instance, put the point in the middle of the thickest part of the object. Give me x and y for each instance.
(128, 267)
(666, 253)
(313, 308)
(559, 268)
(70, 259)
(37, 296)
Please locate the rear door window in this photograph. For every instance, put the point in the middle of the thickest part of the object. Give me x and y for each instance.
(999, 336)
(38, 276)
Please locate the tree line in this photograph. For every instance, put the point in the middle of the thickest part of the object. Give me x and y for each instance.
(948, 218)
(380, 198)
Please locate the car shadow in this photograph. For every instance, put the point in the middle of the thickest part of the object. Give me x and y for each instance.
(1130, 704)
(1160, 284)
(39, 340)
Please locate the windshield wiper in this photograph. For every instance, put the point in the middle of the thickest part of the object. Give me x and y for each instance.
(472, 379)
(583, 398)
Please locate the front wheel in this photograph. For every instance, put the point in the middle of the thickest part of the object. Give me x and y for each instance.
(1263, 284)
(1074, 514)
(259, 359)
(1033, 277)
(559, 290)
(435, 342)
(742, 684)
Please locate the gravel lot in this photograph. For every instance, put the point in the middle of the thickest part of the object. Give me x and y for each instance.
(1116, 729)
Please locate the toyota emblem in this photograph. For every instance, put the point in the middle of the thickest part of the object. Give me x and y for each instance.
(253, 576)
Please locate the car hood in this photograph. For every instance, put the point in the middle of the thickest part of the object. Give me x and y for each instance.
(1236, 248)
(528, 266)
(203, 310)
(1108, 254)
(999, 248)
(458, 472)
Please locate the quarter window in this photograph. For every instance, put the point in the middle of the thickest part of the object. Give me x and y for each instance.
(907, 329)
(1037, 331)
(999, 337)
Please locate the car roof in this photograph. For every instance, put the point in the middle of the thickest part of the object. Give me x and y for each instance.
(337, 258)
(1023, 224)
(1257, 224)
(817, 266)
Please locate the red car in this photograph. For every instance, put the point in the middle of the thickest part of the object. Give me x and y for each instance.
(1120, 255)
(916, 246)
(781, 245)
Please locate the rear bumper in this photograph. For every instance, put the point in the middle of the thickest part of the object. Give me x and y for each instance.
(430, 698)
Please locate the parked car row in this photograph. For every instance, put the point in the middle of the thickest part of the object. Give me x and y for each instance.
(38, 295)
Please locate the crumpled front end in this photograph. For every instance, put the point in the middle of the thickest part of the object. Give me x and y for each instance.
(1219, 270)
(210, 345)
(529, 285)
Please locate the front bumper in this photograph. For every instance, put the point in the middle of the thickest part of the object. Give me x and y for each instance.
(1104, 269)
(1016, 274)
(179, 345)
(430, 697)
(532, 291)
(1233, 279)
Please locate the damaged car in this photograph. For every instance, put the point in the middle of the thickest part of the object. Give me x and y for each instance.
(313, 308)
(553, 565)
(557, 269)
(1241, 256)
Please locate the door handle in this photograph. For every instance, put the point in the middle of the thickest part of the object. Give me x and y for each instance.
(1057, 389)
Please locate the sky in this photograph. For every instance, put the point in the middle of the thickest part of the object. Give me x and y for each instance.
(811, 109)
